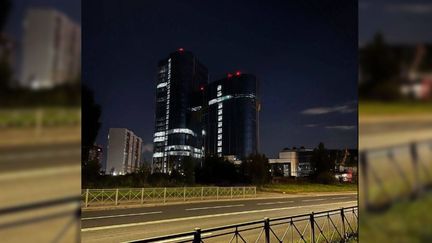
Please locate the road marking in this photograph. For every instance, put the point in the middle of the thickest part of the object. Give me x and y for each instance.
(313, 200)
(120, 215)
(340, 197)
(39, 172)
(173, 240)
(226, 206)
(270, 203)
(205, 216)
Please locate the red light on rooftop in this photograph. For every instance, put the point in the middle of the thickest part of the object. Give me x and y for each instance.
(180, 49)
(238, 73)
(229, 75)
(202, 88)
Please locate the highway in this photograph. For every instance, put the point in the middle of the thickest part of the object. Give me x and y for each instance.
(126, 224)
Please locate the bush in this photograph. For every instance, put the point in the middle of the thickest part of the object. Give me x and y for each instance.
(326, 178)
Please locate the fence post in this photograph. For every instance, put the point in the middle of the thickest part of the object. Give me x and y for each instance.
(197, 236)
(142, 195)
(255, 190)
(267, 229)
(165, 194)
(244, 192)
(231, 192)
(364, 172)
(184, 194)
(414, 157)
(343, 223)
(86, 197)
(217, 193)
(116, 197)
(312, 223)
(202, 193)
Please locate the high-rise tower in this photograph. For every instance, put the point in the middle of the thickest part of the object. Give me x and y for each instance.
(180, 87)
(232, 116)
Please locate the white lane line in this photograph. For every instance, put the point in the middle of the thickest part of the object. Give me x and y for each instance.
(313, 200)
(207, 216)
(271, 203)
(120, 215)
(340, 197)
(226, 206)
(40, 172)
(176, 239)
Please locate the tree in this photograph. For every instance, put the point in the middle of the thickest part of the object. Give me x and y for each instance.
(90, 172)
(381, 70)
(322, 165)
(188, 165)
(256, 169)
(217, 170)
(5, 69)
(90, 121)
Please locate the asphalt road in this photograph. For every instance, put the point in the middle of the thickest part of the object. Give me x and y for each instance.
(39, 156)
(137, 223)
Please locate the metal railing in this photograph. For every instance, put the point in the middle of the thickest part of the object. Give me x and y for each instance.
(121, 196)
(395, 173)
(72, 217)
(327, 226)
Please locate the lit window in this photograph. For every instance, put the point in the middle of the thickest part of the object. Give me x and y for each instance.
(219, 124)
(220, 137)
(219, 143)
(219, 118)
(219, 150)
(219, 93)
(219, 130)
(219, 112)
(219, 87)
(220, 105)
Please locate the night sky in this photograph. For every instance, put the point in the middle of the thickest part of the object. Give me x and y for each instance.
(303, 52)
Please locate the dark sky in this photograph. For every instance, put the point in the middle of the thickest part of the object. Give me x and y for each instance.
(304, 53)
(400, 21)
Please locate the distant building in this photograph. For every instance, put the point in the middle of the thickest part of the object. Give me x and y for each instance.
(124, 152)
(96, 153)
(292, 162)
(232, 117)
(179, 100)
(51, 49)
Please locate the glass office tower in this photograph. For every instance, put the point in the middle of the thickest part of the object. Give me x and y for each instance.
(180, 98)
(232, 116)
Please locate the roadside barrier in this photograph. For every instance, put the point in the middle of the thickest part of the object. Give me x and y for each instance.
(339, 225)
(395, 173)
(131, 196)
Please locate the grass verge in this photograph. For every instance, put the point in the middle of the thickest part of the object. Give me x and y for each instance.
(404, 222)
(307, 187)
(394, 108)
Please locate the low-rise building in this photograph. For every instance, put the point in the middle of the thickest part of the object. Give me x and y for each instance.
(292, 162)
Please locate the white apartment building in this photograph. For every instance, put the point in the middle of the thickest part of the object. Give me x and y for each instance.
(51, 47)
(124, 151)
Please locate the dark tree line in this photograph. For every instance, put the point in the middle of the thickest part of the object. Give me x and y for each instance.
(214, 171)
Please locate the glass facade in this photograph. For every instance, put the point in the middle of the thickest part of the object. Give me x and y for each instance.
(178, 116)
(232, 116)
